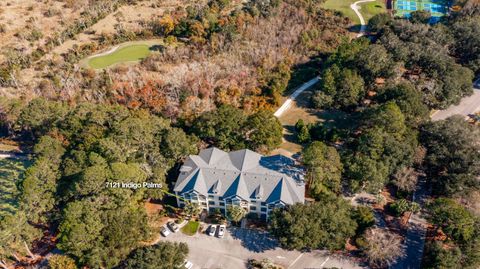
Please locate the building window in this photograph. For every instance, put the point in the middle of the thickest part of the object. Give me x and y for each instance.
(254, 208)
(263, 204)
(211, 197)
(263, 209)
(222, 204)
(211, 202)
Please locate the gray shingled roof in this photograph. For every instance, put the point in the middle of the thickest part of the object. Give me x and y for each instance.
(243, 173)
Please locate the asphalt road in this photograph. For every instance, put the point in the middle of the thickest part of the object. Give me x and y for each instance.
(417, 229)
(468, 105)
(239, 245)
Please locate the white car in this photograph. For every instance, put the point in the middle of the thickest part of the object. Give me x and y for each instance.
(173, 226)
(221, 231)
(212, 230)
(164, 231)
(188, 264)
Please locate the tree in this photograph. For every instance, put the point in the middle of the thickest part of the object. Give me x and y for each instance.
(385, 145)
(409, 100)
(401, 206)
(191, 209)
(324, 169)
(80, 231)
(40, 183)
(176, 144)
(383, 247)
(223, 127)
(61, 262)
(342, 88)
(405, 179)
(127, 228)
(303, 135)
(235, 213)
(452, 160)
(467, 41)
(374, 62)
(379, 21)
(350, 89)
(263, 130)
(164, 255)
(364, 217)
(41, 115)
(420, 16)
(457, 222)
(324, 224)
(16, 235)
(439, 257)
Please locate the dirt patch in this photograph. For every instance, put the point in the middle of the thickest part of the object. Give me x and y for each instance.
(21, 17)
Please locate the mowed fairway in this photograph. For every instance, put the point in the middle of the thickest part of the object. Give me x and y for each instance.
(129, 53)
(368, 10)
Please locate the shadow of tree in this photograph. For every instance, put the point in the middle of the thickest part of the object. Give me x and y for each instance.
(253, 240)
(302, 73)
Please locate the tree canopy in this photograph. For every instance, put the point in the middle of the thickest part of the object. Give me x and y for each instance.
(164, 255)
(453, 159)
(324, 224)
(324, 169)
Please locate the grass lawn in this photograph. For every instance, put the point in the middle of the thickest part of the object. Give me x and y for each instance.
(368, 10)
(130, 53)
(191, 228)
(11, 172)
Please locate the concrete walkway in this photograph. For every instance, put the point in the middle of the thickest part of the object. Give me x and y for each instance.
(288, 103)
(363, 25)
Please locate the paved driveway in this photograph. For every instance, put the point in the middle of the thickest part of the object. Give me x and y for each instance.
(238, 245)
(468, 105)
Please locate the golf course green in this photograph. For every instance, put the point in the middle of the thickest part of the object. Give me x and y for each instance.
(129, 53)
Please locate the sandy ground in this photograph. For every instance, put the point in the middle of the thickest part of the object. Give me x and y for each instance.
(19, 17)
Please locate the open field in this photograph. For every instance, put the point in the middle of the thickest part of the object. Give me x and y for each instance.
(368, 10)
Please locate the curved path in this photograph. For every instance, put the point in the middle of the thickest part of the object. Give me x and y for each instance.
(363, 25)
(288, 103)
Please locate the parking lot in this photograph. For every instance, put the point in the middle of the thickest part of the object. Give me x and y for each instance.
(239, 245)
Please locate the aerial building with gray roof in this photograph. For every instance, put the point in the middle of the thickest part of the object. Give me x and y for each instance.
(215, 179)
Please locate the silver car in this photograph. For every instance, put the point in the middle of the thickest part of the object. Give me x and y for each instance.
(164, 231)
(212, 230)
(173, 226)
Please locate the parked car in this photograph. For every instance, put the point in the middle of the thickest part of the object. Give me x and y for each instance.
(221, 231)
(164, 231)
(212, 230)
(173, 226)
(188, 264)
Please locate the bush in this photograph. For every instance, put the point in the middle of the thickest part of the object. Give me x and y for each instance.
(61, 262)
(364, 217)
(401, 206)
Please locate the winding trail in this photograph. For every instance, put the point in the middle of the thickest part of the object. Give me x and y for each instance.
(288, 103)
(363, 25)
